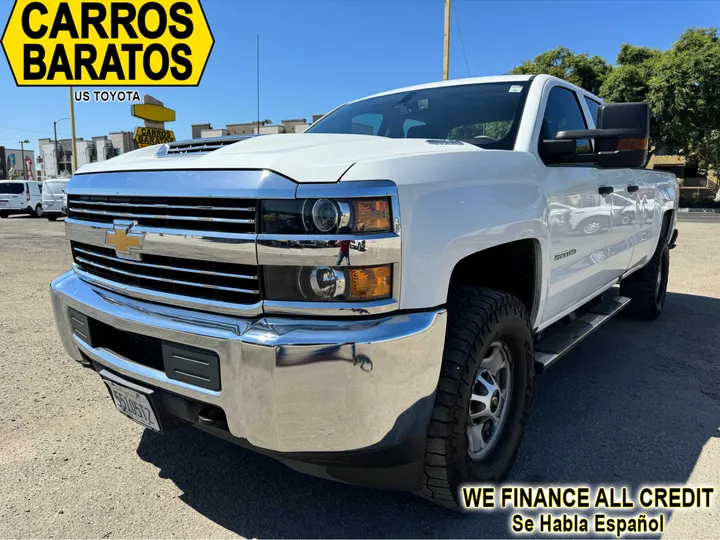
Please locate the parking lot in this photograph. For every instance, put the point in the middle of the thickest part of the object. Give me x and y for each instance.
(636, 403)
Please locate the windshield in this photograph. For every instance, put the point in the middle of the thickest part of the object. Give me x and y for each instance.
(485, 114)
(13, 188)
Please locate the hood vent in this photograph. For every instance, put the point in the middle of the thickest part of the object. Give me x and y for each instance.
(199, 146)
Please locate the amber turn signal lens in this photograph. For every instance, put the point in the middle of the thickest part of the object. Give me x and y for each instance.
(373, 283)
(624, 145)
(372, 215)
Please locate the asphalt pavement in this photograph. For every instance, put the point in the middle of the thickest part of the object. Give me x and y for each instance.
(636, 403)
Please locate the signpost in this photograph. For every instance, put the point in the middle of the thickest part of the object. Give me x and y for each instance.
(155, 114)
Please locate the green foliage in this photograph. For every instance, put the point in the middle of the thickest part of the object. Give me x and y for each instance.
(631, 55)
(681, 86)
(585, 71)
(497, 130)
(684, 95)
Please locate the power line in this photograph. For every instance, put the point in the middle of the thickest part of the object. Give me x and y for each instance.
(20, 129)
(462, 45)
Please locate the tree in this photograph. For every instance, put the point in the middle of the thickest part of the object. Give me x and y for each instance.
(588, 72)
(684, 95)
(630, 81)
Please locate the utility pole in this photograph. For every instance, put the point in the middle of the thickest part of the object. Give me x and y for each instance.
(57, 154)
(446, 52)
(22, 157)
(72, 130)
(258, 83)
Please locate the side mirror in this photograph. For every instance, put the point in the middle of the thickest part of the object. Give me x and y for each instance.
(621, 137)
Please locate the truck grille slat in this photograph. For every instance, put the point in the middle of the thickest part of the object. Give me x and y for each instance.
(224, 282)
(164, 267)
(186, 213)
(116, 214)
(159, 206)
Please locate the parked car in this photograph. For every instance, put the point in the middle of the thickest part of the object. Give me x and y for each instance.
(412, 366)
(20, 197)
(54, 198)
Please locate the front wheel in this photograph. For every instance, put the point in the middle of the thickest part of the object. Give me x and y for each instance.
(482, 401)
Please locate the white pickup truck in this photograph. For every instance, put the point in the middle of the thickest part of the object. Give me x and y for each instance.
(368, 301)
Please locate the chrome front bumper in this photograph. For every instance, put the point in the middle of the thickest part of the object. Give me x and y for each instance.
(287, 384)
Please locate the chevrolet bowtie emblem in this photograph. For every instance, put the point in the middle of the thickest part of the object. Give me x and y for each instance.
(128, 245)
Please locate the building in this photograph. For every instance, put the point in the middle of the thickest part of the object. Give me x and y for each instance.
(266, 127)
(17, 164)
(696, 186)
(55, 157)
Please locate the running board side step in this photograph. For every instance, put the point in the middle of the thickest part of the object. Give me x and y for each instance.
(555, 346)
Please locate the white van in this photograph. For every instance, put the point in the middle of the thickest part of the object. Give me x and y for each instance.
(53, 198)
(20, 197)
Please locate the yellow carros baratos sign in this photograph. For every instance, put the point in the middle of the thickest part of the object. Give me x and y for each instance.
(107, 42)
(145, 136)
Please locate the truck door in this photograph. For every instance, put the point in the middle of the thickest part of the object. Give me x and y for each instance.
(580, 259)
(623, 201)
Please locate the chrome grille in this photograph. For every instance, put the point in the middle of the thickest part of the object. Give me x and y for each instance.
(224, 282)
(187, 213)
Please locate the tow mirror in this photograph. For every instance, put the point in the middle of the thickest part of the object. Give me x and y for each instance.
(621, 137)
(560, 147)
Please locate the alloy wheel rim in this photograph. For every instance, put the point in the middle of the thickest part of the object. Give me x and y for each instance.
(490, 401)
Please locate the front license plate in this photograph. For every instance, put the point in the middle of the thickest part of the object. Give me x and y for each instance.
(133, 405)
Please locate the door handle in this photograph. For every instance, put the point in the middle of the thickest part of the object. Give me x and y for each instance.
(605, 190)
(633, 189)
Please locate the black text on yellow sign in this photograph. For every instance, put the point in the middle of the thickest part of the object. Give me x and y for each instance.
(150, 136)
(107, 42)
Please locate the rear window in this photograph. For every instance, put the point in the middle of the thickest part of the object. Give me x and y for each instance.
(55, 187)
(12, 188)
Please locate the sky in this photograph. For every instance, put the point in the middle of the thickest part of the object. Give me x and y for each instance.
(318, 54)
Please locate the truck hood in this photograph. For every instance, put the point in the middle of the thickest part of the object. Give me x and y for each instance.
(303, 157)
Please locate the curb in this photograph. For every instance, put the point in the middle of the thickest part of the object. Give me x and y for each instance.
(712, 210)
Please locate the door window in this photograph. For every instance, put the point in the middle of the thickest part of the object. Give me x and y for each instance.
(563, 113)
(593, 106)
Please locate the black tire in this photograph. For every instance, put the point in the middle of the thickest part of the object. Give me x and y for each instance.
(477, 318)
(3, 215)
(647, 287)
(37, 212)
(51, 218)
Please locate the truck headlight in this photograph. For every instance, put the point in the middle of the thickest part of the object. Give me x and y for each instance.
(326, 216)
(328, 284)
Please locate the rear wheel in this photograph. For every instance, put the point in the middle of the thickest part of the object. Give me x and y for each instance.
(38, 212)
(483, 397)
(647, 287)
(51, 218)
